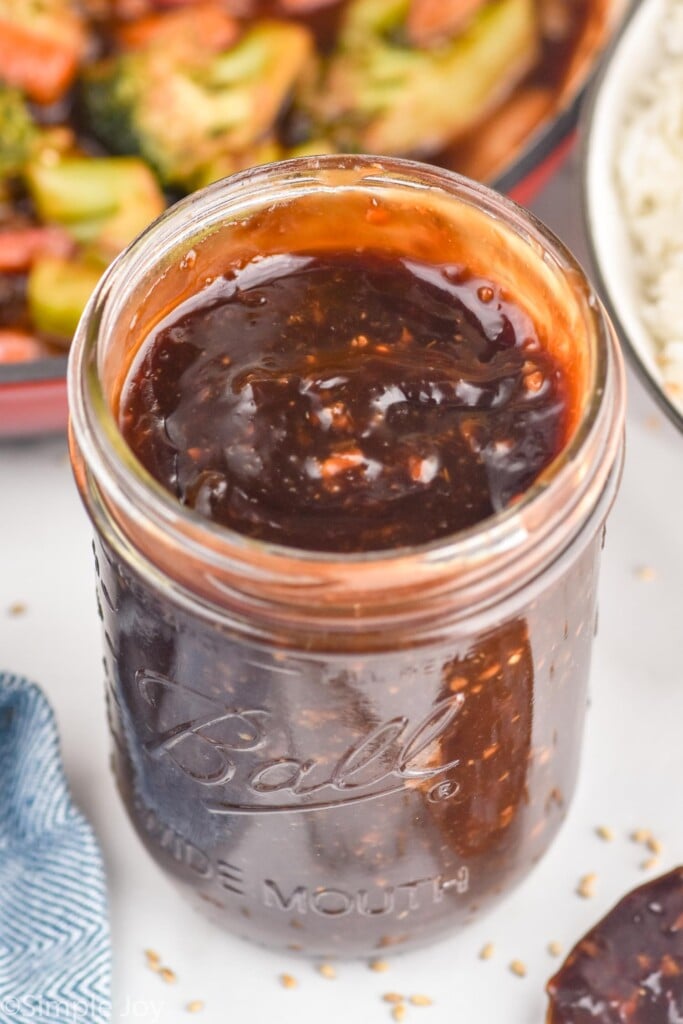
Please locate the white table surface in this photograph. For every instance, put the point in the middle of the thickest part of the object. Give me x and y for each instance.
(631, 773)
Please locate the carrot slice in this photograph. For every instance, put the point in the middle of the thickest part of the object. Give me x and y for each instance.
(20, 247)
(19, 347)
(40, 65)
(304, 6)
(203, 26)
(432, 20)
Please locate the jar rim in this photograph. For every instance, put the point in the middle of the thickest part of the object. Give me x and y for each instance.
(113, 468)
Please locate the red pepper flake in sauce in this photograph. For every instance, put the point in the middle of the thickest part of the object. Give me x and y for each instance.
(347, 402)
(629, 968)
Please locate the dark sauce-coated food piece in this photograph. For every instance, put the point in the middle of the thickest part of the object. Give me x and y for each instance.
(346, 402)
(629, 968)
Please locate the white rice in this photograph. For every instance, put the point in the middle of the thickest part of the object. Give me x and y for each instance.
(649, 170)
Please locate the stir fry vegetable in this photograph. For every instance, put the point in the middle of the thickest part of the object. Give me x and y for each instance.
(383, 95)
(41, 45)
(111, 108)
(182, 110)
(17, 132)
(102, 202)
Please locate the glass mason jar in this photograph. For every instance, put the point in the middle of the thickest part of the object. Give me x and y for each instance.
(346, 753)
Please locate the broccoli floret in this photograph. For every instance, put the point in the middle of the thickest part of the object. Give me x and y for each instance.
(17, 132)
(380, 94)
(184, 116)
(103, 202)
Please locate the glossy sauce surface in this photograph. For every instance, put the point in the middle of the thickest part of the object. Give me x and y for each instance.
(346, 402)
(628, 969)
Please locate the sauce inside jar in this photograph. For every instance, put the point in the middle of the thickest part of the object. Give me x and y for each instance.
(346, 401)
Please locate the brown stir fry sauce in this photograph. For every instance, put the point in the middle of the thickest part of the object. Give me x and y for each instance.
(629, 968)
(346, 402)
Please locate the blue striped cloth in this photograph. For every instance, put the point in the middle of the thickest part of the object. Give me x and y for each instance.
(54, 934)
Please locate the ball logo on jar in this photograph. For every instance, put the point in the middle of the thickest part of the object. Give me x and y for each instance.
(229, 747)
